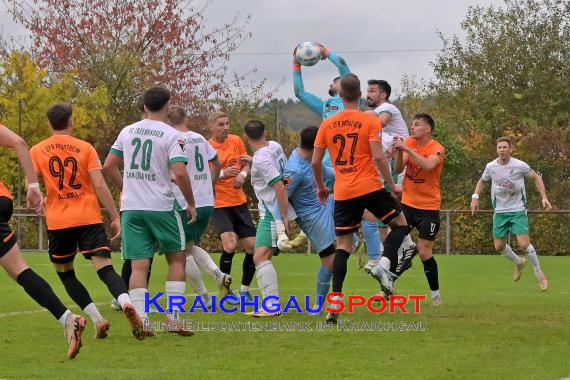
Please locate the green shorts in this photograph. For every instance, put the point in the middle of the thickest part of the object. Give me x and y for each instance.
(397, 178)
(145, 232)
(266, 235)
(510, 222)
(195, 231)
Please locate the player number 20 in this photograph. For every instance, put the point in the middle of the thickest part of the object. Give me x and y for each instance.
(342, 140)
(146, 153)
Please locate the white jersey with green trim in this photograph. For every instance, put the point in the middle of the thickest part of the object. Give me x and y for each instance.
(199, 153)
(397, 125)
(266, 169)
(507, 184)
(148, 148)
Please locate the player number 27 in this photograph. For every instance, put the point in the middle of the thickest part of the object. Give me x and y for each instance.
(146, 153)
(342, 140)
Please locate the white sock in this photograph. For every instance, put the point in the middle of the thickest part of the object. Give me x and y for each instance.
(267, 280)
(124, 300)
(243, 288)
(206, 263)
(385, 263)
(137, 299)
(92, 311)
(509, 254)
(174, 288)
(534, 260)
(194, 276)
(62, 319)
(434, 293)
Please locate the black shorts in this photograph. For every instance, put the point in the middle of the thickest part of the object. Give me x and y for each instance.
(234, 219)
(426, 221)
(8, 237)
(91, 240)
(348, 213)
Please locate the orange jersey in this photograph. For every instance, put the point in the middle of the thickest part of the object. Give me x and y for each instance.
(229, 153)
(422, 188)
(4, 192)
(64, 162)
(347, 136)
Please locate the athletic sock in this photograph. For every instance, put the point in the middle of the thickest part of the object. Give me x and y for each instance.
(267, 281)
(126, 271)
(324, 276)
(174, 288)
(534, 260)
(226, 262)
(243, 288)
(248, 270)
(193, 276)
(206, 263)
(114, 282)
(430, 270)
(355, 241)
(339, 269)
(137, 298)
(92, 311)
(392, 244)
(41, 292)
(509, 254)
(75, 289)
(371, 238)
(63, 318)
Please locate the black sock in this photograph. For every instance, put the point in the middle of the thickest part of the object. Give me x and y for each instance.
(430, 270)
(114, 282)
(339, 269)
(392, 243)
(126, 272)
(248, 268)
(226, 262)
(41, 292)
(75, 288)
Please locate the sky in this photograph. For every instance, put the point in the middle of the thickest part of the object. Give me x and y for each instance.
(347, 27)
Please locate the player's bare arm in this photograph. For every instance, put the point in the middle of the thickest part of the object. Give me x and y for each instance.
(106, 199)
(111, 170)
(476, 194)
(400, 158)
(316, 163)
(9, 139)
(183, 181)
(425, 163)
(539, 184)
(283, 201)
(216, 169)
(383, 166)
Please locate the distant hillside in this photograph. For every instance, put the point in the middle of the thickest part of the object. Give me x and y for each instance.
(296, 115)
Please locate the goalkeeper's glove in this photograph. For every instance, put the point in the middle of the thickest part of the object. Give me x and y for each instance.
(282, 239)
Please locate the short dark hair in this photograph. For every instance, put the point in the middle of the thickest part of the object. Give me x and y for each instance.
(426, 118)
(335, 79)
(383, 85)
(308, 136)
(504, 139)
(155, 98)
(350, 88)
(59, 115)
(176, 115)
(254, 129)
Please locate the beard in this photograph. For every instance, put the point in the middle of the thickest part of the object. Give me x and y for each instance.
(332, 92)
(371, 103)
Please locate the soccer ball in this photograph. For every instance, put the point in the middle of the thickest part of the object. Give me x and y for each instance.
(308, 53)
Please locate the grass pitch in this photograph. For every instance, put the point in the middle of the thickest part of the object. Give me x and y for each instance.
(488, 327)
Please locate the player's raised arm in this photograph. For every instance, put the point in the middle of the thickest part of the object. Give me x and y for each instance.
(313, 102)
(400, 158)
(9, 139)
(338, 61)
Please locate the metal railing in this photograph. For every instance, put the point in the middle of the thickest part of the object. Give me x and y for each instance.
(32, 231)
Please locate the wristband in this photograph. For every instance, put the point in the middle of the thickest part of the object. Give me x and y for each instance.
(475, 196)
(244, 174)
(33, 185)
